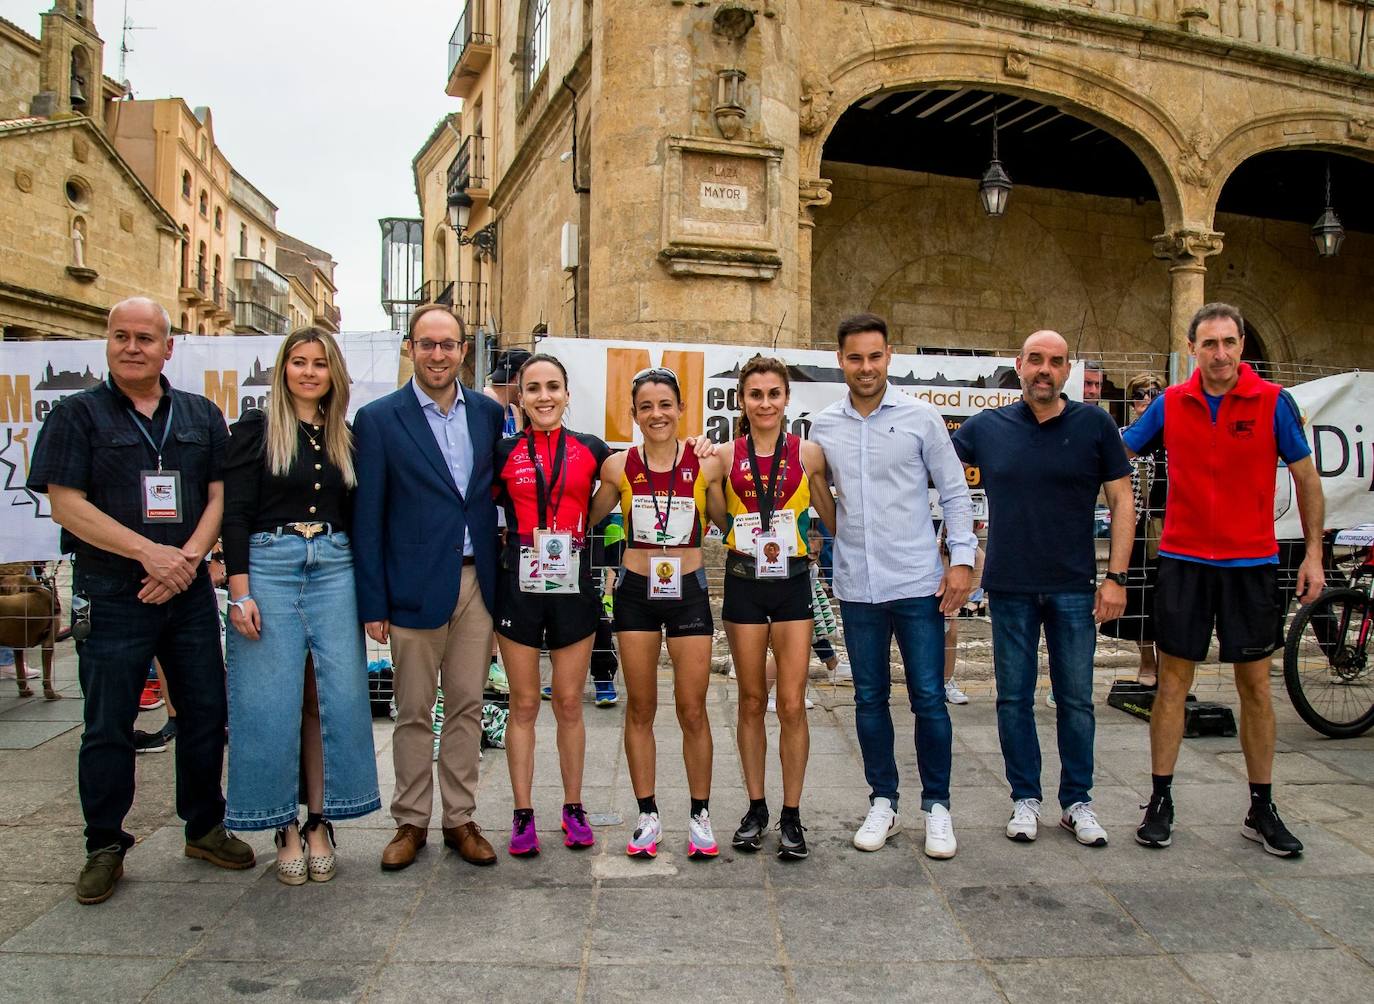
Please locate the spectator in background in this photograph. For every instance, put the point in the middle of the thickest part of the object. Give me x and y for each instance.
(1093, 375)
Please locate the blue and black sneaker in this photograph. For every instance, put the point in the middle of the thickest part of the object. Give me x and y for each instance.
(606, 696)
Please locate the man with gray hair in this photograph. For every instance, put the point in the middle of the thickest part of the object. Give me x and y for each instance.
(134, 471)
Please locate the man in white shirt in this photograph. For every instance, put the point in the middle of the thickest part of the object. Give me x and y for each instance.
(883, 448)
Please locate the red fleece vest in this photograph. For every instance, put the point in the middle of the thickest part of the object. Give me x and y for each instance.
(1221, 474)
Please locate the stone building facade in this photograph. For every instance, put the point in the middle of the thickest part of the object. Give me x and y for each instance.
(750, 170)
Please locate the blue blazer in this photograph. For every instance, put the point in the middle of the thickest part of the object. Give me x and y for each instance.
(409, 517)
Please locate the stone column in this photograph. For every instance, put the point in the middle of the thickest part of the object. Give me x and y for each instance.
(814, 192)
(1187, 250)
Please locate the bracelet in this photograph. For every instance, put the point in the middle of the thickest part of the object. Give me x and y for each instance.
(238, 603)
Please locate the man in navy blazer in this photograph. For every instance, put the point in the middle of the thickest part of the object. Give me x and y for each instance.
(425, 558)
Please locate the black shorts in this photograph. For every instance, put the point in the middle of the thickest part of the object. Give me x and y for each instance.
(545, 620)
(766, 601)
(683, 618)
(1242, 602)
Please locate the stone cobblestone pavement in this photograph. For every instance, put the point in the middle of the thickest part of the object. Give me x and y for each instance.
(1212, 918)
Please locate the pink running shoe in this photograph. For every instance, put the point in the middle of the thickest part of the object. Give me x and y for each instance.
(578, 832)
(524, 841)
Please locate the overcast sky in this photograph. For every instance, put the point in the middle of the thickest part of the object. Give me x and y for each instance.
(319, 103)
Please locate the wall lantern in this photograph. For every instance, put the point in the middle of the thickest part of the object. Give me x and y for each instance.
(996, 185)
(1327, 232)
(459, 211)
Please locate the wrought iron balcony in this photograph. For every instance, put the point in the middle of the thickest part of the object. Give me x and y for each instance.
(250, 316)
(468, 171)
(468, 299)
(469, 49)
(435, 291)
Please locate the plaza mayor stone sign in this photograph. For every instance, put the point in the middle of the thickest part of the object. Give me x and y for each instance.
(720, 208)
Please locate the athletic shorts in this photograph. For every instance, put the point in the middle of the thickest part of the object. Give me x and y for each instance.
(683, 618)
(1241, 602)
(766, 601)
(545, 620)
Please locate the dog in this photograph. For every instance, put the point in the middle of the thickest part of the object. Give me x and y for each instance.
(30, 616)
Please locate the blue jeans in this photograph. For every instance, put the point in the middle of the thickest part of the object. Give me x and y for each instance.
(1070, 637)
(304, 592)
(112, 663)
(920, 631)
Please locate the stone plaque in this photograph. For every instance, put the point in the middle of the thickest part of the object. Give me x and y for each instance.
(723, 189)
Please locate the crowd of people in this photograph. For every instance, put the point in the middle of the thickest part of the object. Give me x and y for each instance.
(443, 516)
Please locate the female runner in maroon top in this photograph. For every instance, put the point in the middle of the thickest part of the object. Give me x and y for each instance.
(545, 596)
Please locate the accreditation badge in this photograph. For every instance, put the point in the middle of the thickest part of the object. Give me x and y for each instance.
(665, 578)
(532, 579)
(770, 556)
(748, 525)
(652, 525)
(161, 496)
(555, 553)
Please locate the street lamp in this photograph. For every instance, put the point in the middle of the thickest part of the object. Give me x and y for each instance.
(459, 210)
(1327, 232)
(996, 185)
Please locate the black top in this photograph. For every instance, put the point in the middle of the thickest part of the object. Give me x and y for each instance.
(90, 442)
(257, 501)
(1042, 480)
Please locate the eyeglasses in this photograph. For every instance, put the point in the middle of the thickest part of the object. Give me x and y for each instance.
(1145, 393)
(656, 374)
(427, 346)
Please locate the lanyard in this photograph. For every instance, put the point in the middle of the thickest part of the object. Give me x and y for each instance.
(542, 493)
(661, 518)
(157, 447)
(766, 493)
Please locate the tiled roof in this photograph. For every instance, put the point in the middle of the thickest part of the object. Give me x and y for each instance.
(24, 123)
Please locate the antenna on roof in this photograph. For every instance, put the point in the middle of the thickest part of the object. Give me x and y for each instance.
(124, 48)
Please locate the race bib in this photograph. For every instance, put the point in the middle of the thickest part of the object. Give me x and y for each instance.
(533, 580)
(161, 496)
(770, 557)
(670, 527)
(748, 525)
(665, 578)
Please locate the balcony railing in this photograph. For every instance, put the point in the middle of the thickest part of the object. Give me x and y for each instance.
(435, 291)
(469, 167)
(202, 280)
(469, 48)
(468, 299)
(219, 293)
(250, 316)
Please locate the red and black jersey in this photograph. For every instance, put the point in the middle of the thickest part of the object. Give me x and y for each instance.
(569, 464)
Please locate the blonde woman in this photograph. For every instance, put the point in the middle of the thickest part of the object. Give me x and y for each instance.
(296, 653)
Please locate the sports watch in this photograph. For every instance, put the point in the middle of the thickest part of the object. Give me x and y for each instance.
(1118, 577)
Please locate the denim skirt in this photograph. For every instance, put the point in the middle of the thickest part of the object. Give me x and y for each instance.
(304, 592)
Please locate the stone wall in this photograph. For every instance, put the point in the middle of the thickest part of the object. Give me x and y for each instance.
(18, 72)
(917, 249)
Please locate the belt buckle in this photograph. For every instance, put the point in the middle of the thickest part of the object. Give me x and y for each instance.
(307, 530)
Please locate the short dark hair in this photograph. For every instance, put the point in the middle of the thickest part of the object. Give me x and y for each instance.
(1214, 312)
(430, 308)
(856, 323)
(539, 357)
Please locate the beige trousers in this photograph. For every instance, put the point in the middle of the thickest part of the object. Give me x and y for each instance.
(454, 656)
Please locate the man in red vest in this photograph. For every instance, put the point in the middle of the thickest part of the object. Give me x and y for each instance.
(1225, 431)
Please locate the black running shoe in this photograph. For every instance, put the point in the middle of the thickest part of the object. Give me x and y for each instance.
(1156, 829)
(1264, 826)
(149, 742)
(749, 836)
(792, 845)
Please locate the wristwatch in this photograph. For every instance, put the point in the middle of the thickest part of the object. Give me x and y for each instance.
(1118, 577)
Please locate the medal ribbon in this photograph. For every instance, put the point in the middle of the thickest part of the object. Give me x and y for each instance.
(543, 493)
(766, 493)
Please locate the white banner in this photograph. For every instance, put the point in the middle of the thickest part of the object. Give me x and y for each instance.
(1338, 413)
(233, 371)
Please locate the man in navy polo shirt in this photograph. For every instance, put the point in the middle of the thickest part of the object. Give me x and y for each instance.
(1042, 462)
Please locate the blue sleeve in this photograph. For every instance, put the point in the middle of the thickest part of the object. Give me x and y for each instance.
(1113, 462)
(1146, 433)
(963, 440)
(1288, 429)
(369, 511)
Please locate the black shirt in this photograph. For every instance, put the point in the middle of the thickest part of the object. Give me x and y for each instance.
(257, 501)
(90, 442)
(1042, 480)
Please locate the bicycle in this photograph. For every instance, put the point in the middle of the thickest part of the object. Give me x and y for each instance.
(1327, 665)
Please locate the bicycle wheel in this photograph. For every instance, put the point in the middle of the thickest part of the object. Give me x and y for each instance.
(1326, 664)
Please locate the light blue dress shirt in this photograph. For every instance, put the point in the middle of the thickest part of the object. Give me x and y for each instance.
(881, 467)
(454, 441)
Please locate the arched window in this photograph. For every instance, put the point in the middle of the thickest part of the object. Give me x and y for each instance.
(219, 219)
(204, 203)
(185, 258)
(185, 321)
(536, 41)
(262, 248)
(186, 185)
(200, 268)
(243, 240)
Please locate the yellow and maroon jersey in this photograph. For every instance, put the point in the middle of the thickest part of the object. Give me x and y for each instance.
(792, 493)
(663, 508)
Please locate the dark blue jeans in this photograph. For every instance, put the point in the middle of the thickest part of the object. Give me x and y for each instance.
(919, 628)
(1070, 637)
(113, 665)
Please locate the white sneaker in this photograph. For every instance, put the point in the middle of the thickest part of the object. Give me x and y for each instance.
(953, 695)
(810, 704)
(1049, 699)
(648, 833)
(701, 840)
(1024, 824)
(882, 822)
(940, 842)
(842, 673)
(1081, 821)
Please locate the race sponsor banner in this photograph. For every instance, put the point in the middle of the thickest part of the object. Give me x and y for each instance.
(234, 372)
(1338, 418)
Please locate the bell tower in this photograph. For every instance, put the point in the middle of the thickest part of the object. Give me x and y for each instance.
(72, 62)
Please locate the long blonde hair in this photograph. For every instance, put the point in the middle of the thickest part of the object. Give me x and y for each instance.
(282, 424)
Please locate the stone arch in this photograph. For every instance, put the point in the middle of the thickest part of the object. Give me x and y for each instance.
(1291, 130)
(441, 254)
(1255, 306)
(1110, 104)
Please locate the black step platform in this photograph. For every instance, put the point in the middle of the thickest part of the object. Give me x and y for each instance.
(1200, 718)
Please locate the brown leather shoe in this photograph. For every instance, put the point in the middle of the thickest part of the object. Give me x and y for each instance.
(400, 853)
(471, 846)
